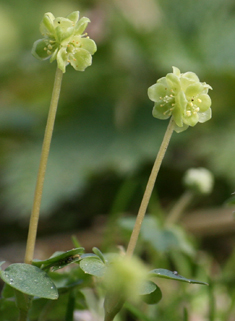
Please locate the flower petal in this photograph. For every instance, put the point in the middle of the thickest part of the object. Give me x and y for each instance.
(156, 91)
(203, 117)
(81, 25)
(62, 59)
(176, 71)
(173, 81)
(194, 90)
(178, 129)
(39, 50)
(80, 60)
(203, 102)
(191, 120)
(180, 107)
(89, 45)
(47, 25)
(159, 112)
(191, 76)
(74, 16)
(63, 29)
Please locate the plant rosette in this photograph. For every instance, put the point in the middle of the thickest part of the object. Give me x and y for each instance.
(182, 96)
(65, 41)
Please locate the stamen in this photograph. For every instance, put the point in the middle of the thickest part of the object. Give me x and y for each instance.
(188, 113)
(191, 104)
(199, 100)
(197, 109)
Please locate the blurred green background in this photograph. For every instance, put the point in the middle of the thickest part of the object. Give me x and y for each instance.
(105, 134)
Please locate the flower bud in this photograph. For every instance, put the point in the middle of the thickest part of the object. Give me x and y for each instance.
(199, 179)
(125, 277)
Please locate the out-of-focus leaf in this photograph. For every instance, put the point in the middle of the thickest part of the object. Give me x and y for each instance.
(93, 266)
(166, 274)
(60, 259)
(150, 293)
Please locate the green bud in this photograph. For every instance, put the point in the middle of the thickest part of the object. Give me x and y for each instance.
(200, 180)
(64, 40)
(125, 277)
(183, 97)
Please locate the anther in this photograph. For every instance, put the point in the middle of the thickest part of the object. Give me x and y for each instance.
(188, 113)
(199, 100)
(191, 104)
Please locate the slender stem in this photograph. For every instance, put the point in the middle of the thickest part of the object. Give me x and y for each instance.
(149, 188)
(42, 168)
(179, 208)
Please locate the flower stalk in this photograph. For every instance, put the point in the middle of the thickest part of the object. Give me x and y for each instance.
(149, 188)
(42, 168)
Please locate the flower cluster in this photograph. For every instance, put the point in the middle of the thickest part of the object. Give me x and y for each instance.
(182, 96)
(65, 41)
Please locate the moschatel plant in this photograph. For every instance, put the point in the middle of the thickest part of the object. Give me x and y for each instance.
(33, 285)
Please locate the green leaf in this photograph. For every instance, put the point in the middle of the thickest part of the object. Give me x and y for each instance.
(93, 266)
(150, 293)
(8, 310)
(99, 254)
(166, 274)
(7, 291)
(60, 259)
(30, 279)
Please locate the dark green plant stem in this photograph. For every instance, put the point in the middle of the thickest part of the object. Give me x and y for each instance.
(42, 168)
(149, 188)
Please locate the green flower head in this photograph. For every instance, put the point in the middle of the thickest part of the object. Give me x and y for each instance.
(182, 96)
(64, 40)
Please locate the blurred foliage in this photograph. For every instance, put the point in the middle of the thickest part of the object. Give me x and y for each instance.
(104, 119)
